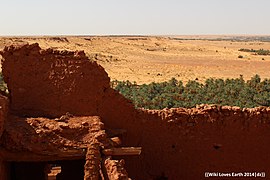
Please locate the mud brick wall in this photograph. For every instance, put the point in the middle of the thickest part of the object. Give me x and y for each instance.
(50, 82)
(184, 143)
(3, 112)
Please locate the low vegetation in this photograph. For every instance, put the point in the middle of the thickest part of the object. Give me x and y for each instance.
(3, 85)
(173, 93)
(240, 56)
(257, 52)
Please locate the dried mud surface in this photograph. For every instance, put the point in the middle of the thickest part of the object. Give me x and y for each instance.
(115, 169)
(49, 136)
(176, 143)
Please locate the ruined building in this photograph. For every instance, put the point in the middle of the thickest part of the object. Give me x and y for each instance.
(61, 111)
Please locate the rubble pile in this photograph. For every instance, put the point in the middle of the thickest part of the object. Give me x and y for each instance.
(52, 117)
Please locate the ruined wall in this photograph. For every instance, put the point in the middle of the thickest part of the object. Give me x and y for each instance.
(3, 117)
(50, 83)
(185, 143)
(176, 143)
(115, 169)
(3, 112)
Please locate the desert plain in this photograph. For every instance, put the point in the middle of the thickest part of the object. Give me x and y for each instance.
(146, 59)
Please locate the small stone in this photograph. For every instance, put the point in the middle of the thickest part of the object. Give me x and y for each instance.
(38, 131)
(63, 125)
(85, 123)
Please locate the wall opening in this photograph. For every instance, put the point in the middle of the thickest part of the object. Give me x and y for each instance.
(27, 171)
(70, 170)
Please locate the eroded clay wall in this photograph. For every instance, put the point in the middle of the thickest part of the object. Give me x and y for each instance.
(176, 143)
(50, 82)
(186, 143)
(3, 112)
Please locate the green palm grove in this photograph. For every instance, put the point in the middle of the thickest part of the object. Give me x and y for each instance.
(232, 92)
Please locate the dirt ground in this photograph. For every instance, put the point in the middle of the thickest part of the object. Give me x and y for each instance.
(147, 59)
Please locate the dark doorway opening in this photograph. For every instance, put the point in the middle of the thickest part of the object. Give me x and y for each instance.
(70, 170)
(27, 171)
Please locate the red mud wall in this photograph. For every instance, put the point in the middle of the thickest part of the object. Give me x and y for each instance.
(3, 112)
(186, 143)
(50, 83)
(177, 143)
(3, 117)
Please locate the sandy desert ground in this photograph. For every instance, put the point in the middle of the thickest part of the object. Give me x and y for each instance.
(147, 59)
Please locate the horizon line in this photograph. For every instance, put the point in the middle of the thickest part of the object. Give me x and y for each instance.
(130, 35)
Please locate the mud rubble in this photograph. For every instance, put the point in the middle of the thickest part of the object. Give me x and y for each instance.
(61, 108)
(52, 121)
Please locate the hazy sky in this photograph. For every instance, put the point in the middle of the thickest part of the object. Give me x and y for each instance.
(145, 17)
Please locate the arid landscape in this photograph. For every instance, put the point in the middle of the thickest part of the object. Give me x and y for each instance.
(61, 119)
(134, 90)
(155, 59)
